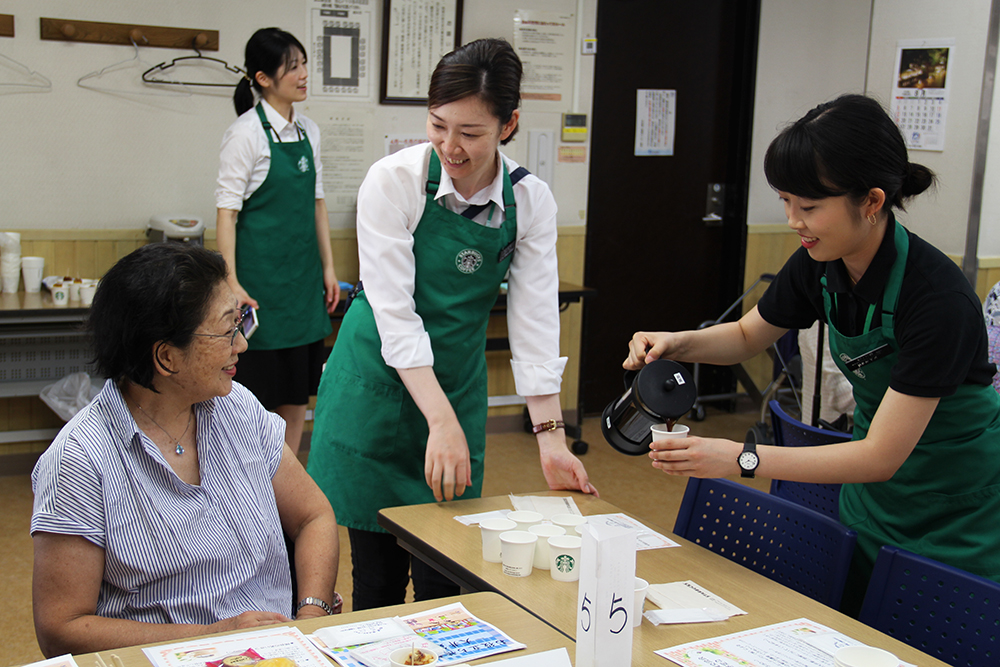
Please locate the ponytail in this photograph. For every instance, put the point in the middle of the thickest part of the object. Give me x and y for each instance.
(243, 98)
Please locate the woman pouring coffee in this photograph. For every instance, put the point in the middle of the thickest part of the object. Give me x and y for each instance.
(923, 469)
(401, 411)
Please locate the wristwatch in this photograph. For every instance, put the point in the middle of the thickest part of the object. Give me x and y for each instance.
(338, 604)
(748, 459)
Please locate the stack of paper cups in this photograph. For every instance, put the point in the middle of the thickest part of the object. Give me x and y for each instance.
(10, 260)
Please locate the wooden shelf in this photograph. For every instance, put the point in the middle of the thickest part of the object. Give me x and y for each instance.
(6, 25)
(69, 30)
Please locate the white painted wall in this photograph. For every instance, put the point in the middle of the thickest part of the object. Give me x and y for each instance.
(76, 158)
(810, 51)
(814, 50)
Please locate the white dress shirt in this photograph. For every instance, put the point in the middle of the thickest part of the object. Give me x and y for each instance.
(245, 157)
(390, 204)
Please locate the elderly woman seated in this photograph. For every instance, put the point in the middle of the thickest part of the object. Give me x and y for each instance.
(160, 508)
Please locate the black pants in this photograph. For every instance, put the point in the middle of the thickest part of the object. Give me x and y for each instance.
(382, 568)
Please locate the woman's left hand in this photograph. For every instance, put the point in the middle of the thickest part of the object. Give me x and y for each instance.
(331, 287)
(696, 457)
(562, 470)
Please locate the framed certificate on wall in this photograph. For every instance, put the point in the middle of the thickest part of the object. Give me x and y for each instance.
(415, 35)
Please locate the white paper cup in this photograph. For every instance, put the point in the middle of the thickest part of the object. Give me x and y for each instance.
(74, 290)
(564, 557)
(517, 549)
(660, 431)
(32, 268)
(11, 276)
(569, 522)
(399, 657)
(87, 294)
(491, 529)
(524, 519)
(60, 294)
(641, 586)
(864, 656)
(544, 532)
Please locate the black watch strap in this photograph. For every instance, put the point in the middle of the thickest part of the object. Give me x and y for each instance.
(748, 459)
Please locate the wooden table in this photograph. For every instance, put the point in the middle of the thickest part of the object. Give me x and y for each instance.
(431, 533)
(490, 607)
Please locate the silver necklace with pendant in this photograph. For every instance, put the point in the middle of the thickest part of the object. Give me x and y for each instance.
(178, 448)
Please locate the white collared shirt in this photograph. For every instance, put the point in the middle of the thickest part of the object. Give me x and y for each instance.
(390, 205)
(245, 157)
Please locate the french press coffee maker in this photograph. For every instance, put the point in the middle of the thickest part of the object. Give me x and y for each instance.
(662, 390)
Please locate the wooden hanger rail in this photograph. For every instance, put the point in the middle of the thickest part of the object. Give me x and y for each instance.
(6, 25)
(70, 30)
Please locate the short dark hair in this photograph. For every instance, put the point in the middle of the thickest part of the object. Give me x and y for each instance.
(267, 51)
(845, 147)
(486, 68)
(158, 293)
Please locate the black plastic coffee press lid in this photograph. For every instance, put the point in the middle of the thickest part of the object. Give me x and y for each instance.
(661, 390)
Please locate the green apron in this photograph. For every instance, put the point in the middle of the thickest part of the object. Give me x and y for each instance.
(369, 437)
(277, 256)
(943, 501)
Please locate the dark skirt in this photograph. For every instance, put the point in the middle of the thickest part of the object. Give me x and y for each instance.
(288, 376)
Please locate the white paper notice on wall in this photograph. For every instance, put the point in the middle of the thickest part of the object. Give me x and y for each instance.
(606, 594)
(920, 90)
(655, 117)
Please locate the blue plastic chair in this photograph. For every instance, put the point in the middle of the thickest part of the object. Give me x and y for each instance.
(791, 544)
(943, 611)
(790, 432)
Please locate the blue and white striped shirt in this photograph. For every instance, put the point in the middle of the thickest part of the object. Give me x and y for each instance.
(174, 553)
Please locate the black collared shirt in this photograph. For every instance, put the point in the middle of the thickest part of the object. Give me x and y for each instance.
(939, 322)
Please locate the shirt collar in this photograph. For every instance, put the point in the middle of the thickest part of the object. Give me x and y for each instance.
(491, 193)
(276, 120)
(876, 276)
(120, 420)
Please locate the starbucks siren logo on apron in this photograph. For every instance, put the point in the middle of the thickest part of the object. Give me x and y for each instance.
(469, 260)
(303, 164)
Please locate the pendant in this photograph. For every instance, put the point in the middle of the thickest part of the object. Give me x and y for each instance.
(179, 449)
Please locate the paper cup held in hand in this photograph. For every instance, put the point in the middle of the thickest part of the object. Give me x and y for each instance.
(517, 551)
(404, 657)
(564, 557)
(864, 656)
(491, 529)
(544, 532)
(641, 586)
(524, 519)
(660, 431)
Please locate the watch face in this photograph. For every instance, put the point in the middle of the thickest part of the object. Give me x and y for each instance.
(748, 460)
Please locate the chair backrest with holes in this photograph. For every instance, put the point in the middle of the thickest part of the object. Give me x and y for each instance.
(790, 432)
(943, 611)
(803, 549)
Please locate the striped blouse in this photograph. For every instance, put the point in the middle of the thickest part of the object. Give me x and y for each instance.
(174, 553)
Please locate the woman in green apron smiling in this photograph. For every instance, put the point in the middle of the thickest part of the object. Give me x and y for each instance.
(906, 328)
(273, 229)
(401, 412)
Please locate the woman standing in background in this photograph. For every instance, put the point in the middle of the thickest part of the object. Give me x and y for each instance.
(273, 229)
(401, 413)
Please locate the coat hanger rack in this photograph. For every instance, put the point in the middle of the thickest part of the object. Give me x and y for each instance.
(6, 25)
(69, 30)
(149, 76)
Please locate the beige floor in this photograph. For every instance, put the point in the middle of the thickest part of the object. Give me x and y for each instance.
(512, 467)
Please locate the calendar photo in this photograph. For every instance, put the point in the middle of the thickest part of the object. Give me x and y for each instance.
(920, 92)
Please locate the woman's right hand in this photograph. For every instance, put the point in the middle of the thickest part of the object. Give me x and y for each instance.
(648, 346)
(248, 619)
(447, 467)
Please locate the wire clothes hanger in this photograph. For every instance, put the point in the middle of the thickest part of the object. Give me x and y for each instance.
(121, 66)
(31, 79)
(150, 75)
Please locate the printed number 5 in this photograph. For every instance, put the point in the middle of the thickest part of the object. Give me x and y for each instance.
(584, 608)
(614, 610)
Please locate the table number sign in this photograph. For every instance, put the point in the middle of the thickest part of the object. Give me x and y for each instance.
(604, 601)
